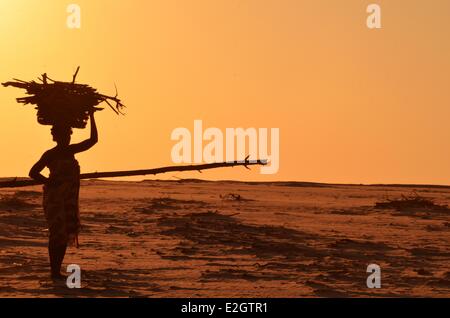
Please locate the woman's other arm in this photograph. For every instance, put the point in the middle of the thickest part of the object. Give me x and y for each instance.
(35, 172)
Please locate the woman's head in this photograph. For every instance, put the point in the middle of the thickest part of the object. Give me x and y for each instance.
(61, 134)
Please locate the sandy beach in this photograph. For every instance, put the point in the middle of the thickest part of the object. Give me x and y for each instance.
(194, 238)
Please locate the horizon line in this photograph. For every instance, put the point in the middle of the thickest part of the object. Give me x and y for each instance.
(285, 182)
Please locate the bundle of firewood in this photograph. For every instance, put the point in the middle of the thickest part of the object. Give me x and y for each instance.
(63, 103)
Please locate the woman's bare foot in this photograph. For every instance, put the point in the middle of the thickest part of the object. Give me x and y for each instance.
(58, 277)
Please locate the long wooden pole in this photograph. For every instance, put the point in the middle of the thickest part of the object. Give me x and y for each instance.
(16, 183)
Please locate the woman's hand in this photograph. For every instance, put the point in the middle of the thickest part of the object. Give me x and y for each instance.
(94, 133)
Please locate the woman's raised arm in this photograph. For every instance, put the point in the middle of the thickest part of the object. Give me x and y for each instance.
(88, 143)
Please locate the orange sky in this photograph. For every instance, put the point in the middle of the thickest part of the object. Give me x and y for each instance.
(352, 104)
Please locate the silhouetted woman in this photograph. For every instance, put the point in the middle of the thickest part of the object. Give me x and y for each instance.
(61, 190)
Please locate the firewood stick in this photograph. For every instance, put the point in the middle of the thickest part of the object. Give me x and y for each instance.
(15, 183)
(75, 75)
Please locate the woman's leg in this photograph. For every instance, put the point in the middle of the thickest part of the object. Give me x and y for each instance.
(54, 213)
(56, 251)
(57, 246)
